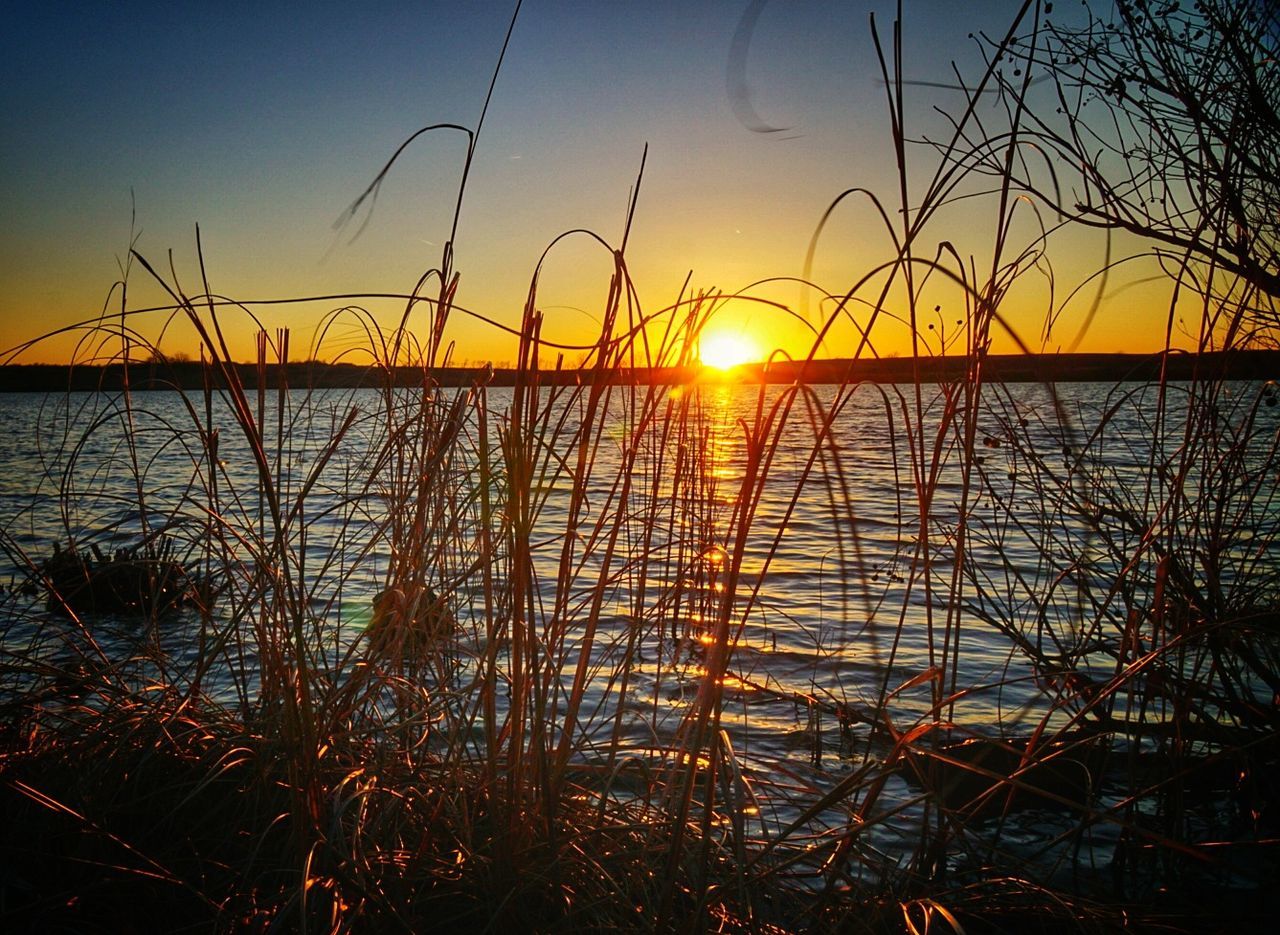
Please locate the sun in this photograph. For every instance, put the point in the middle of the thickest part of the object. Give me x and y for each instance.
(724, 351)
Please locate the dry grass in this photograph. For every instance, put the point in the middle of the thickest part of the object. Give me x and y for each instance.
(470, 761)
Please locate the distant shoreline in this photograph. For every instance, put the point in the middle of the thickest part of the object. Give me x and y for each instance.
(996, 368)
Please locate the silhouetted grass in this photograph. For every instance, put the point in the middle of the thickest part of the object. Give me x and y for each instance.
(423, 684)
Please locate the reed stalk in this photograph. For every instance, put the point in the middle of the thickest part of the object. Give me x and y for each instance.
(488, 659)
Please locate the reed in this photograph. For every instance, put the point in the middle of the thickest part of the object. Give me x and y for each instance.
(471, 659)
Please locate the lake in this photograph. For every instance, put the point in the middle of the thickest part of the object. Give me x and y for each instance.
(912, 558)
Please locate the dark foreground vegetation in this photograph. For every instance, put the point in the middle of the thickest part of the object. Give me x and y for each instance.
(377, 677)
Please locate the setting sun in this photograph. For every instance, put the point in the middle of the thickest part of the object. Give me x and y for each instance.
(726, 351)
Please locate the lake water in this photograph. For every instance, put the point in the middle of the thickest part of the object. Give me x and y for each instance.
(849, 592)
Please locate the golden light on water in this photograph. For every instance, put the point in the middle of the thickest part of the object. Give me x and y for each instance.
(725, 350)
(715, 556)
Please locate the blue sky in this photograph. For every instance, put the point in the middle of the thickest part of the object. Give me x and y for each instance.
(261, 122)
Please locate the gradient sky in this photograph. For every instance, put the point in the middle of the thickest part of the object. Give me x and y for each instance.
(261, 122)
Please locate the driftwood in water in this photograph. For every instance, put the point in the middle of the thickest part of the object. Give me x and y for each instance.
(144, 580)
(407, 625)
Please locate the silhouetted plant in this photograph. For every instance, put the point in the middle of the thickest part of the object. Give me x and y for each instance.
(1161, 120)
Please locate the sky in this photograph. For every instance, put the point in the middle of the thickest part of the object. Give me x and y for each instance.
(260, 123)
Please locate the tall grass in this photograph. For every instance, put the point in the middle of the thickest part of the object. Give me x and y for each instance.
(424, 684)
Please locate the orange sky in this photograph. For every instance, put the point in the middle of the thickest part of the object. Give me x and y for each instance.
(266, 135)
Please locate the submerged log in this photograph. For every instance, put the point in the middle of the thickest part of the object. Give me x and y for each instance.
(980, 777)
